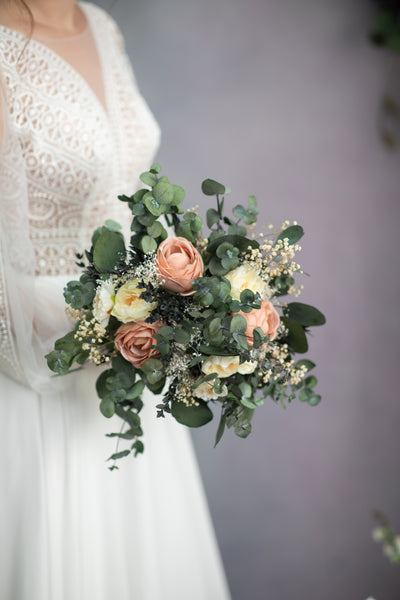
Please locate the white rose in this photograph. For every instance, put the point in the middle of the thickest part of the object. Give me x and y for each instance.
(247, 367)
(103, 302)
(246, 277)
(128, 304)
(205, 391)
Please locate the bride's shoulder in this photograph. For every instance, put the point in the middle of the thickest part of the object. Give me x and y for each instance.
(101, 19)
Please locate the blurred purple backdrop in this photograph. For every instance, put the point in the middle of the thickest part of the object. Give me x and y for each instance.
(282, 99)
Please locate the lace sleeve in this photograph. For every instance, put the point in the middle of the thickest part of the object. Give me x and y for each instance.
(16, 254)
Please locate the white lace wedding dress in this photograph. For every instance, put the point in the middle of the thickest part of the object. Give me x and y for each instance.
(70, 529)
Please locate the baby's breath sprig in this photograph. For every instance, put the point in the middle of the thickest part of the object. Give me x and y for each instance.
(94, 338)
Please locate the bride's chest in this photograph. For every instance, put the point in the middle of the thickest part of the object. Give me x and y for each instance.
(79, 153)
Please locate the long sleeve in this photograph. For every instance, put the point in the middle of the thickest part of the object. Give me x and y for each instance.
(16, 256)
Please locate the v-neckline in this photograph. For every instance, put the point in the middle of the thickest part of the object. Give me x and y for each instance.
(104, 108)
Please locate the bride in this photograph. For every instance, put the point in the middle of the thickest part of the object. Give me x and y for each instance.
(75, 132)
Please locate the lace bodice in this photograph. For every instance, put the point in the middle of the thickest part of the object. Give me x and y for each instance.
(78, 154)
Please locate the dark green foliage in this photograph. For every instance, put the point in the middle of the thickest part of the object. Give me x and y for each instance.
(80, 294)
(192, 416)
(67, 350)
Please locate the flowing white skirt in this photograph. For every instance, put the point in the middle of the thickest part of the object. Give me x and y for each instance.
(70, 529)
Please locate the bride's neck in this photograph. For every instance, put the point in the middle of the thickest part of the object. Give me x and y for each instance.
(52, 18)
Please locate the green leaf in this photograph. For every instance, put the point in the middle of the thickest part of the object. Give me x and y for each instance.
(240, 339)
(247, 403)
(258, 337)
(121, 365)
(80, 294)
(220, 430)
(191, 416)
(101, 384)
(306, 315)
(118, 455)
(156, 229)
(155, 168)
(148, 244)
(204, 379)
(154, 206)
(156, 387)
(112, 225)
(246, 389)
(166, 332)
(310, 382)
(294, 233)
(209, 187)
(136, 390)
(296, 338)
(163, 192)
(238, 324)
(153, 368)
(181, 336)
(109, 250)
(237, 230)
(305, 395)
(149, 179)
(314, 400)
(216, 268)
(214, 330)
(212, 217)
(58, 362)
(238, 241)
(138, 447)
(178, 195)
(210, 350)
(139, 195)
(304, 362)
(247, 296)
(163, 346)
(107, 408)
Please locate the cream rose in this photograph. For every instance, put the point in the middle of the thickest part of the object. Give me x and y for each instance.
(223, 366)
(205, 391)
(245, 277)
(178, 263)
(247, 367)
(265, 317)
(135, 341)
(129, 306)
(103, 302)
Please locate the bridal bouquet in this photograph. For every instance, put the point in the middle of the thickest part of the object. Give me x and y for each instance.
(197, 319)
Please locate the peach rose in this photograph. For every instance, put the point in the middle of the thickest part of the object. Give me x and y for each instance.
(178, 263)
(265, 317)
(134, 341)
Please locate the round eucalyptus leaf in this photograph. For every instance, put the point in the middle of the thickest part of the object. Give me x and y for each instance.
(296, 338)
(306, 315)
(294, 233)
(148, 244)
(209, 187)
(238, 324)
(108, 250)
(163, 192)
(191, 416)
(101, 383)
(149, 179)
(107, 408)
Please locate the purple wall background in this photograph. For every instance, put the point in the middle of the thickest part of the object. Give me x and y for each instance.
(281, 99)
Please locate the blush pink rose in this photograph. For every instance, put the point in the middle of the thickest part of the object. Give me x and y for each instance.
(265, 317)
(178, 263)
(134, 341)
